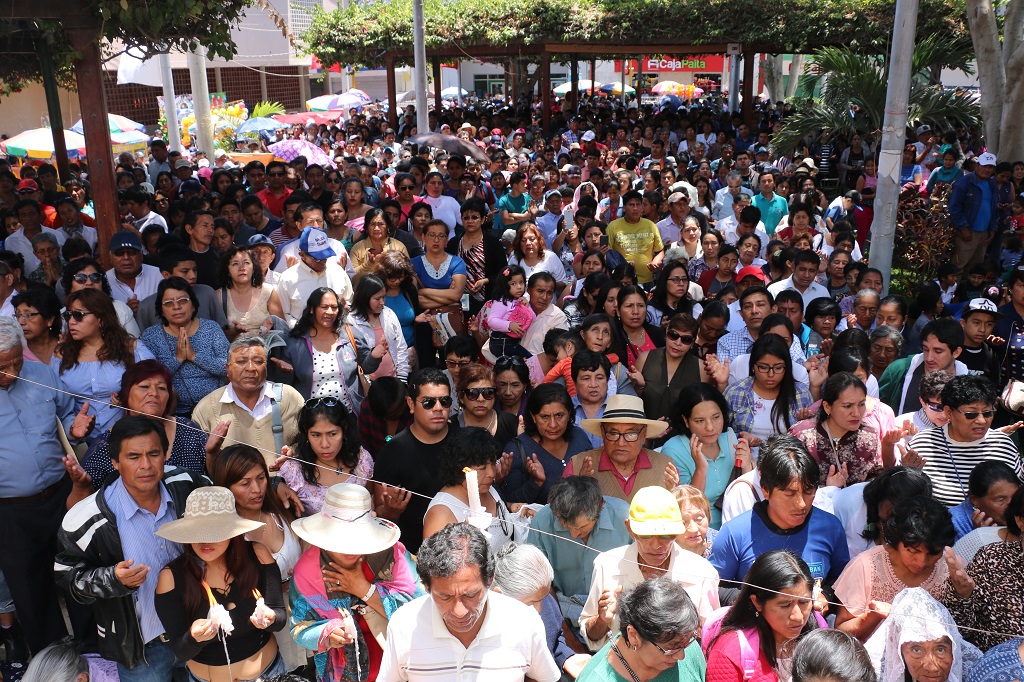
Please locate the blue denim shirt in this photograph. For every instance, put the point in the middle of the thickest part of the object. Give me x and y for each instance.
(965, 202)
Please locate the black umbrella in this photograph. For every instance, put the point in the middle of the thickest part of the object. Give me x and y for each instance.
(450, 144)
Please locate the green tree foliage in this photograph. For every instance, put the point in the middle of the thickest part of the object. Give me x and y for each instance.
(853, 87)
(363, 33)
(157, 25)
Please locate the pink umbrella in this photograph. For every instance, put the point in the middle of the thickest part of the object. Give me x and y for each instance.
(289, 149)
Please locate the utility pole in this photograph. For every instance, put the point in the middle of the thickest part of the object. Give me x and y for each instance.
(170, 106)
(201, 99)
(419, 74)
(734, 83)
(894, 129)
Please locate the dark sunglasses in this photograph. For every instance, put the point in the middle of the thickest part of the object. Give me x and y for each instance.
(404, 187)
(326, 401)
(972, 415)
(332, 180)
(428, 403)
(76, 315)
(93, 277)
(478, 393)
(26, 191)
(507, 361)
(673, 335)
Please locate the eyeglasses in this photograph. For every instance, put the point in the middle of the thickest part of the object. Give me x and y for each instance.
(25, 316)
(175, 302)
(673, 652)
(428, 403)
(628, 436)
(435, 237)
(405, 187)
(326, 401)
(76, 315)
(332, 180)
(276, 174)
(673, 335)
(678, 280)
(972, 415)
(769, 369)
(93, 277)
(452, 364)
(478, 393)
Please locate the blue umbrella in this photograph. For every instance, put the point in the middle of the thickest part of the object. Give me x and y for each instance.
(259, 124)
(671, 102)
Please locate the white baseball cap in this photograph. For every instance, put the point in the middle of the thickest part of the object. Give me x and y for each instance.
(588, 136)
(987, 159)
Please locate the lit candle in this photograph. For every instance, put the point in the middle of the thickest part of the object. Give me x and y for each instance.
(218, 615)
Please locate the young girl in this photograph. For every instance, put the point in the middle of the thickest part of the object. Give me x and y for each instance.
(506, 316)
(1017, 216)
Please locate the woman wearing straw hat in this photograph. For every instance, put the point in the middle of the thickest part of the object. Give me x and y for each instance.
(357, 571)
(219, 567)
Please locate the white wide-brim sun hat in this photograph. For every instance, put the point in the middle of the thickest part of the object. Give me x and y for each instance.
(624, 409)
(346, 524)
(210, 516)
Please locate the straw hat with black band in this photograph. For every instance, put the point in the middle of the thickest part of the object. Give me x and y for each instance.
(210, 517)
(625, 409)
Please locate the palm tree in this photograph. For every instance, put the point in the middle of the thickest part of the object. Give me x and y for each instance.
(853, 83)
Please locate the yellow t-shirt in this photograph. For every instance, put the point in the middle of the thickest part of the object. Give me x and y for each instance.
(639, 242)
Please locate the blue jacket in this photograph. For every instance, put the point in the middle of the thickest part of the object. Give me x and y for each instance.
(965, 202)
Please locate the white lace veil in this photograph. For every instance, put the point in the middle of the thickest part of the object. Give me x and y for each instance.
(917, 617)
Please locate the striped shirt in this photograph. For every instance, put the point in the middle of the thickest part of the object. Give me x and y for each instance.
(950, 463)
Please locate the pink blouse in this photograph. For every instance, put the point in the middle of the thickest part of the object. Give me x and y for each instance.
(312, 494)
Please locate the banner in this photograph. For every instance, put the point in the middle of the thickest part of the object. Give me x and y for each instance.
(714, 63)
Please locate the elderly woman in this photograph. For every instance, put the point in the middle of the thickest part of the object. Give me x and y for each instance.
(696, 513)
(94, 354)
(194, 349)
(326, 353)
(886, 346)
(837, 436)
(473, 448)
(915, 535)
(549, 440)
(774, 609)
(58, 663)
(355, 573)
(783, 519)
(377, 240)
(528, 252)
(920, 641)
(524, 573)
(654, 522)
(146, 389)
(657, 638)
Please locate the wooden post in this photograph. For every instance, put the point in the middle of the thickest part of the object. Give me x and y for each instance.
(89, 76)
(60, 149)
(748, 86)
(574, 77)
(435, 62)
(545, 90)
(593, 69)
(389, 65)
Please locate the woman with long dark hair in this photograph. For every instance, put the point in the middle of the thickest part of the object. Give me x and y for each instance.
(767, 401)
(94, 354)
(380, 327)
(671, 295)
(328, 451)
(637, 335)
(773, 610)
(217, 564)
(659, 375)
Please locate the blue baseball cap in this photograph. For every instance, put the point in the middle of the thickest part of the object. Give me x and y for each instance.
(259, 240)
(314, 242)
(125, 239)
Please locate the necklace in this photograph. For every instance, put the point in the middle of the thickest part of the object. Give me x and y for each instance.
(622, 660)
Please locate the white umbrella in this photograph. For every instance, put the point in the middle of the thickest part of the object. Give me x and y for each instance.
(582, 86)
(453, 93)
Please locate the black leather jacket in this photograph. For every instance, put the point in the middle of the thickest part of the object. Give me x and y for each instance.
(90, 548)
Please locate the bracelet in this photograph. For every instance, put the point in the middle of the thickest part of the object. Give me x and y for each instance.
(369, 593)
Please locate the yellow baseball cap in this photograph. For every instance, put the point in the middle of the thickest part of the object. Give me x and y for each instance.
(655, 511)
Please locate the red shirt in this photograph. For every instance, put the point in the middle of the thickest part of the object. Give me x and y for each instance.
(274, 204)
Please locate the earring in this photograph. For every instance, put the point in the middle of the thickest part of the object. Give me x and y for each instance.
(757, 614)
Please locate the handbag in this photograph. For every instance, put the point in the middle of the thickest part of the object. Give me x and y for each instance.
(1012, 396)
(364, 381)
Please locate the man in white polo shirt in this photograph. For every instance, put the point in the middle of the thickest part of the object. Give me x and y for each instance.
(462, 629)
(805, 268)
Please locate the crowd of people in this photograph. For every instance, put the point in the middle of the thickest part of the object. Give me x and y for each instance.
(624, 402)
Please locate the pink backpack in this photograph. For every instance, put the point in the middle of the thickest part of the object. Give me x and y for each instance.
(749, 639)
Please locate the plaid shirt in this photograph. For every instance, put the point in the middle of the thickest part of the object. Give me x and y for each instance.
(738, 343)
(742, 401)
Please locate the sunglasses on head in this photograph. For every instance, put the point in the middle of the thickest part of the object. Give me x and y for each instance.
(508, 361)
(673, 335)
(326, 401)
(93, 277)
(428, 403)
(478, 393)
